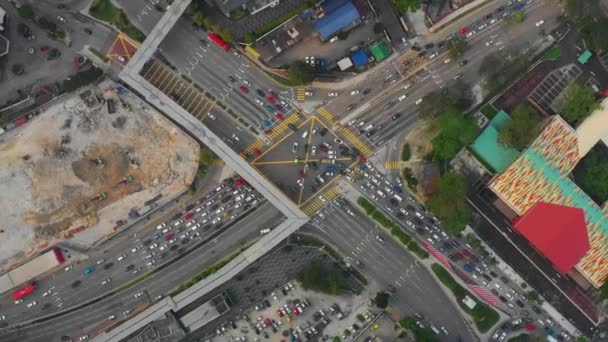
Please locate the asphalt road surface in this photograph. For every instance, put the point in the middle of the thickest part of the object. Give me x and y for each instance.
(438, 74)
(93, 319)
(387, 263)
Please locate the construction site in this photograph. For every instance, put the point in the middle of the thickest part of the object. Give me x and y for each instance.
(89, 164)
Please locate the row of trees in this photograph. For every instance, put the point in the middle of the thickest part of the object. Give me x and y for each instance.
(588, 20)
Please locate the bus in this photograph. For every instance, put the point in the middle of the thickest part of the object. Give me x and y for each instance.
(218, 41)
(24, 291)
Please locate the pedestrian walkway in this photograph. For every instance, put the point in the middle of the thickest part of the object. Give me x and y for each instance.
(284, 125)
(253, 148)
(325, 114)
(301, 94)
(318, 203)
(392, 164)
(356, 141)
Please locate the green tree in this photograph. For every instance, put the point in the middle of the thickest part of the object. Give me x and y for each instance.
(381, 300)
(205, 156)
(498, 71)
(516, 17)
(300, 73)
(576, 9)
(26, 12)
(408, 323)
(581, 339)
(593, 31)
(592, 176)
(578, 102)
(249, 38)
(449, 203)
(456, 47)
(198, 18)
(424, 335)
(53, 54)
(404, 6)
(523, 127)
(191, 189)
(317, 277)
(336, 339)
(455, 131)
(458, 96)
(532, 295)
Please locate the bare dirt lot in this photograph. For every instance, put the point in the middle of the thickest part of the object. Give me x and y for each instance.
(55, 168)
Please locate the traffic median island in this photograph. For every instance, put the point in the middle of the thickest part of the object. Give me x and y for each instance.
(484, 316)
(393, 228)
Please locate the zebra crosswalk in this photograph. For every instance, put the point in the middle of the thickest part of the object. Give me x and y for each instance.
(301, 94)
(325, 114)
(318, 203)
(392, 165)
(356, 141)
(249, 150)
(283, 125)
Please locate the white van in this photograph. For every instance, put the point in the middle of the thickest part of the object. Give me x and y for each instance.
(435, 330)
(305, 134)
(265, 231)
(402, 97)
(397, 197)
(381, 194)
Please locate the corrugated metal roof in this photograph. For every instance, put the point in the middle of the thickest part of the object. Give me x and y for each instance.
(336, 20)
(360, 58)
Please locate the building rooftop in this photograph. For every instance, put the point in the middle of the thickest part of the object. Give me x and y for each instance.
(541, 174)
(558, 232)
(360, 58)
(334, 21)
(487, 147)
(380, 51)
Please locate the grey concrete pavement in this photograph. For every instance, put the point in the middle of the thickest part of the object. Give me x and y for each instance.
(387, 264)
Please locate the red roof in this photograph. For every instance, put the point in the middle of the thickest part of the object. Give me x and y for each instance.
(558, 232)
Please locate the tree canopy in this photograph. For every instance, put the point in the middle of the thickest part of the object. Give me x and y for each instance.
(578, 102)
(455, 131)
(498, 71)
(449, 203)
(317, 277)
(381, 300)
(404, 6)
(593, 31)
(456, 47)
(205, 156)
(300, 73)
(408, 323)
(434, 104)
(523, 127)
(591, 174)
(516, 17)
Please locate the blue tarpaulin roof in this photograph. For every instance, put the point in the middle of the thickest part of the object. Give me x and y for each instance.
(359, 58)
(331, 5)
(336, 20)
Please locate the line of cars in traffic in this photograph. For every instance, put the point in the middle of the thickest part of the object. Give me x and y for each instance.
(414, 215)
(273, 105)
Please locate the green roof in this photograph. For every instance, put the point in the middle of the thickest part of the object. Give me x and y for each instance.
(380, 51)
(487, 147)
(584, 58)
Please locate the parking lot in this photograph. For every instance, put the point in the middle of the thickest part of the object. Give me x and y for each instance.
(307, 160)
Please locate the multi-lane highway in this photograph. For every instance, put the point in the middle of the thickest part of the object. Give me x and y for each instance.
(124, 259)
(388, 266)
(94, 318)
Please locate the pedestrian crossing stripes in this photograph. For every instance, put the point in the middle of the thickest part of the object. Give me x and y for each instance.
(392, 165)
(355, 141)
(325, 114)
(301, 95)
(283, 125)
(218, 162)
(256, 145)
(318, 203)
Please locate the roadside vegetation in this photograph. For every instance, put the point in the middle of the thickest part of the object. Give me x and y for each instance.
(591, 174)
(489, 111)
(319, 278)
(420, 334)
(405, 152)
(578, 102)
(554, 53)
(393, 228)
(484, 316)
(300, 73)
(586, 17)
(404, 6)
(106, 11)
(81, 78)
(456, 130)
(524, 126)
(498, 70)
(449, 203)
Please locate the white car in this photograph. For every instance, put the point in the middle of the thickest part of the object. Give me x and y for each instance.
(161, 226)
(332, 94)
(100, 261)
(60, 18)
(122, 257)
(126, 312)
(247, 83)
(112, 317)
(470, 33)
(83, 338)
(106, 281)
(419, 101)
(354, 92)
(313, 151)
(138, 294)
(258, 101)
(211, 116)
(447, 61)
(69, 268)
(2, 317)
(490, 42)
(540, 23)
(34, 303)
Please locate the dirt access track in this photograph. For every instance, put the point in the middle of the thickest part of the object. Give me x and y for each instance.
(55, 169)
